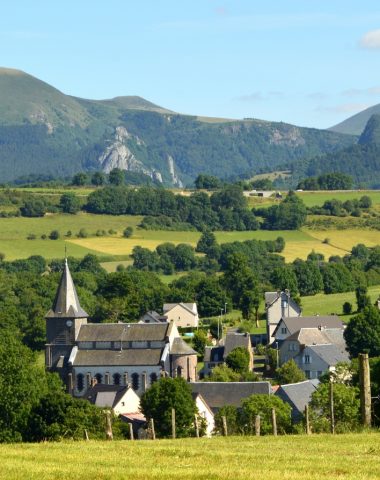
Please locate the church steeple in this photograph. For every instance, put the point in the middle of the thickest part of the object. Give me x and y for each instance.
(66, 303)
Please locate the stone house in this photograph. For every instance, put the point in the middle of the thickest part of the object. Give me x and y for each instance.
(277, 306)
(153, 317)
(110, 353)
(121, 399)
(183, 314)
(297, 395)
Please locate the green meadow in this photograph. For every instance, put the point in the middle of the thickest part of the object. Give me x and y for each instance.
(316, 457)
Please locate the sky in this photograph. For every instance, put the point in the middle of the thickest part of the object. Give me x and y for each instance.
(307, 62)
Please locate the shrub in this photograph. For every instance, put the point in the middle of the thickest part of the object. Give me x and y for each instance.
(54, 235)
(82, 233)
(43, 236)
(128, 232)
(347, 308)
(31, 236)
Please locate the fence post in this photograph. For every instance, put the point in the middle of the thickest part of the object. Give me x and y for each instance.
(274, 422)
(257, 425)
(131, 435)
(225, 431)
(152, 429)
(196, 425)
(307, 421)
(332, 417)
(365, 389)
(109, 435)
(86, 435)
(173, 423)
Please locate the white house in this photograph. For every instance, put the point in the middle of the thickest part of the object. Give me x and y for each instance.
(183, 314)
(277, 306)
(121, 399)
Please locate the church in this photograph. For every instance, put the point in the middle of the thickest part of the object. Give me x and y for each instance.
(133, 354)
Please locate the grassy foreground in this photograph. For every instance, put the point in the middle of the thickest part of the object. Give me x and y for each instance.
(352, 456)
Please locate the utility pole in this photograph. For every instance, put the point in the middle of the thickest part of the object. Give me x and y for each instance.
(365, 389)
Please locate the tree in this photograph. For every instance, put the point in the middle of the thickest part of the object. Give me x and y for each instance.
(200, 341)
(33, 208)
(336, 278)
(309, 278)
(346, 407)
(54, 235)
(289, 372)
(284, 278)
(128, 232)
(207, 244)
(98, 179)
(208, 182)
(262, 405)
(69, 203)
(238, 360)
(116, 177)
(362, 333)
(347, 308)
(222, 373)
(362, 298)
(79, 179)
(157, 403)
(289, 215)
(232, 418)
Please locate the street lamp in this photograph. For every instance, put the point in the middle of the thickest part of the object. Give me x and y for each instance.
(277, 357)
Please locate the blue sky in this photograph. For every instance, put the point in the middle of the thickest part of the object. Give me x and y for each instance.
(308, 62)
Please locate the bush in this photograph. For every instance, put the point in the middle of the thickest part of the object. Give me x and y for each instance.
(347, 308)
(101, 233)
(82, 233)
(31, 236)
(43, 236)
(128, 232)
(54, 235)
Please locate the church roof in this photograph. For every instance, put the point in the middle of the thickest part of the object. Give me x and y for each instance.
(125, 332)
(66, 303)
(180, 347)
(109, 358)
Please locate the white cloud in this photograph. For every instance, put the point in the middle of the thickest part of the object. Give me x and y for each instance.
(371, 40)
(344, 108)
(353, 92)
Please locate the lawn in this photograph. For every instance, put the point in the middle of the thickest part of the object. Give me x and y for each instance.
(318, 198)
(344, 457)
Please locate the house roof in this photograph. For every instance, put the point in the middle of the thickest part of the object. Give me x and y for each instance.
(190, 307)
(271, 297)
(297, 394)
(128, 357)
(180, 347)
(213, 354)
(331, 354)
(126, 332)
(66, 303)
(235, 340)
(219, 394)
(309, 336)
(105, 395)
(293, 324)
(156, 317)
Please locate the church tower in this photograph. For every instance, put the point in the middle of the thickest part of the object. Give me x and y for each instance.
(63, 322)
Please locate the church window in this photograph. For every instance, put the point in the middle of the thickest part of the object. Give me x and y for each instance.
(179, 371)
(135, 381)
(99, 377)
(80, 382)
(116, 378)
(153, 378)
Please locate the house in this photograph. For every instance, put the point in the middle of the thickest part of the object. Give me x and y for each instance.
(217, 355)
(110, 353)
(315, 350)
(153, 317)
(220, 394)
(183, 314)
(277, 306)
(297, 395)
(121, 399)
(204, 412)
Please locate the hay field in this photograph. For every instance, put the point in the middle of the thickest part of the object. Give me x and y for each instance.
(344, 457)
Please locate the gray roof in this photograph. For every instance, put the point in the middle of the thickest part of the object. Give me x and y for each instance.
(331, 354)
(298, 395)
(316, 336)
(66, 303)
(213, 354)
(126, 332)
(129, 357)
(235, 340)
(105, 395)
(187, 306)
(270, 297)
(180, 347)
(293, 324)
(156, 317)
(219, 394)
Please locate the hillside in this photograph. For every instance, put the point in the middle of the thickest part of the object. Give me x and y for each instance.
(43, 131)
(355, 125)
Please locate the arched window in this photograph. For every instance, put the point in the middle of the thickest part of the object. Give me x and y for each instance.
(135, 381)
(179, 371)
(153, 378)
(116, 378)
(80, 382)
(99, 377)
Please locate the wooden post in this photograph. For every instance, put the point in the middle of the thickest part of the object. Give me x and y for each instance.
(365, 389)
(131, 435)
(307, 421)
(86, 435)
(257, 425)
(173, 423)
(196, 425)
(225, 431)
(152, 429)
(274, 422)
(109, 435)
(332, 417)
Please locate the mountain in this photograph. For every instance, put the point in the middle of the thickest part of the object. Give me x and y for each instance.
(361, 161)
(44, 131)
(355, 125)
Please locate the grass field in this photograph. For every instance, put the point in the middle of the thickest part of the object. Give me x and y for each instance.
(327, 457)
(318, 198)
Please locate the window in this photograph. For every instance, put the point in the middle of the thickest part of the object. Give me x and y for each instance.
(135, 381)
(307, 373)
(179, 371)
(80, 382)
(116, 378)
(307, 359)
(284, 330)
(99, 377)
(153, 378)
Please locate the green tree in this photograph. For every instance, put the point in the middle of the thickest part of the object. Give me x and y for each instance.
(238, 360)
(362, 298)
(54, 235)
(362, 333)
(69, 203)
(200, 341)
(128, 232)
(116, 177)
(336, 278)
(289, 215)
(289, 372)
(157, 403)
(232, 418)
(309, 278)
(33, 208)
(262, 405)
(207, 244)
(284, 278)
(222, 373)
(98, 179)
(79, 179)
(347, 308)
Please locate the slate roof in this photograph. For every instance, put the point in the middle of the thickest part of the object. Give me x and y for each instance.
(127, 332)
(236, 340)
(298, 395)
(129, 357)
(219, 394)
(213, 354)
(156, 317)
(293, 324)
(270, 297)
(331, 354)
(180, 347)
(190, 307)
(105, 395)
(66, 303)
(315, 336)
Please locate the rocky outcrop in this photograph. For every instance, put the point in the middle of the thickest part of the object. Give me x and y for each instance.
(175, 178)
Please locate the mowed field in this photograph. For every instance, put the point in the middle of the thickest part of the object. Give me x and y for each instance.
(344, 457)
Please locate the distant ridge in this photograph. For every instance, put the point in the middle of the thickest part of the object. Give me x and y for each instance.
(355, 125)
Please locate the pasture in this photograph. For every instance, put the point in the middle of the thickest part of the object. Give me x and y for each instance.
(316, 457)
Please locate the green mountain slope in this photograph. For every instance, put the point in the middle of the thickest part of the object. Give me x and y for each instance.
(355, 124)
(43, 131)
